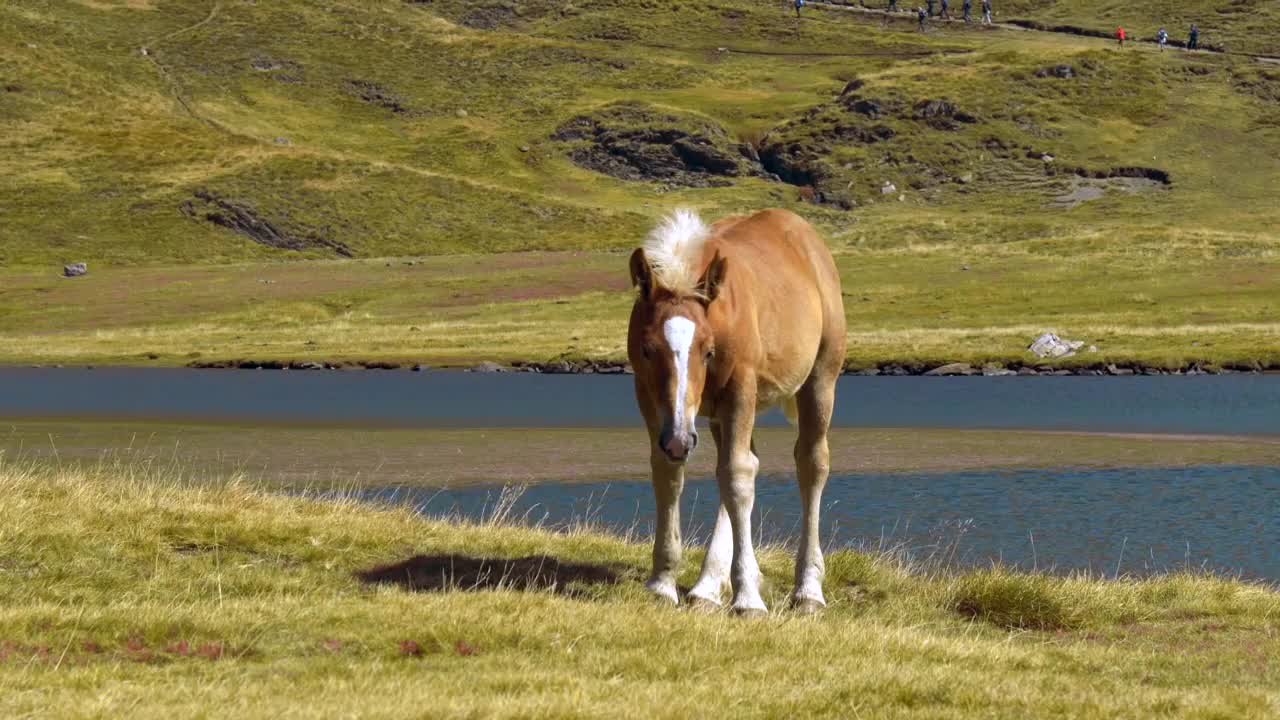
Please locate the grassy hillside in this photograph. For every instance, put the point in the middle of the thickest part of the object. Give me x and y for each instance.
(171, 133)
(135, 590)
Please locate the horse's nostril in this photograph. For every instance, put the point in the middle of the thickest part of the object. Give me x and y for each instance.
(676, 448)
(693, 441)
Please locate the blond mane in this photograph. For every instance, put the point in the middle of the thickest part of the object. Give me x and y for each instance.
(674, 251)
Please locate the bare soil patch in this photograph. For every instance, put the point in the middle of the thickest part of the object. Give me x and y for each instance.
(443, 573)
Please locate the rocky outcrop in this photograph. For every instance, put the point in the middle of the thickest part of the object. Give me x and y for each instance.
(245, 220)
(633, 141)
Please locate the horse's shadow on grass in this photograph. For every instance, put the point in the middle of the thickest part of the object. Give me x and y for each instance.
(446, 573)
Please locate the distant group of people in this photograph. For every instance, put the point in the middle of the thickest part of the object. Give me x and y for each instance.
(1162, 37)
(932, 10)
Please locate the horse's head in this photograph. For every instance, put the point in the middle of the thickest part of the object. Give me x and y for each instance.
(671, 343)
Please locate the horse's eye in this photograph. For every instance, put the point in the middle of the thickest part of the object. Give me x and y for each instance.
(711, 352)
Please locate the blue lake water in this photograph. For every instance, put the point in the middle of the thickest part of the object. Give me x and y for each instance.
(1129, 520)
(1226, 518)
(1229, 404)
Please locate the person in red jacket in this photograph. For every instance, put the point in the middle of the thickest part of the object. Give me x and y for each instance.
(1120, 35)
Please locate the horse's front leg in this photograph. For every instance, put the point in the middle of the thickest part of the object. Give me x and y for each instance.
(715, 565)
(668, 482)
(736, 467)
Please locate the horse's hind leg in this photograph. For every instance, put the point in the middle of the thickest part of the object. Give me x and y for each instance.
(813, 464)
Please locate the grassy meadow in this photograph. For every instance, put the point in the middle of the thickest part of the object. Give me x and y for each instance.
(141, 590)
(252, 180)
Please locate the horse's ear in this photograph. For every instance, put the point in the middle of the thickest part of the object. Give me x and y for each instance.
(713, 278)
(641, 273)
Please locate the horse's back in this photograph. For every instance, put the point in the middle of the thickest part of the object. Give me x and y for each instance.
(794, 292)
(786, 256)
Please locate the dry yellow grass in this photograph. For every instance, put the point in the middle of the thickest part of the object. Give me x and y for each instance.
(131, 590)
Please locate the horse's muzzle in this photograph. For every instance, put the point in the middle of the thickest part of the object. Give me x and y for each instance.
(677, 446)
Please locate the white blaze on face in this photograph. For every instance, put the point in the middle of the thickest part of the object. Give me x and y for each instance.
(679, 333)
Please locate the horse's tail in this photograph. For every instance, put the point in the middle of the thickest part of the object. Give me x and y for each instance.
(791, 410)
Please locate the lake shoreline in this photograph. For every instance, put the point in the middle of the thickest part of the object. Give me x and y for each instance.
(888, 369)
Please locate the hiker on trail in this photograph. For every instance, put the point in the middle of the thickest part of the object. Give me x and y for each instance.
(1193, 43)
(1120, 36)
(932, 5)
(799, 4)
(986, 12)
(922, 17)
(1162, 38)
(946, 10)
(893, 5)
(968, 11)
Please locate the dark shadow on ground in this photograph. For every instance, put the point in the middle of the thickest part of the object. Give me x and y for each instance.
(442, 573)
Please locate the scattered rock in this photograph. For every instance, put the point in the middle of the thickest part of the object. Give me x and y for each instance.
(485, 16)
(1113, 370)
(282, 141)
(888, 188)
(1027, 371)
(941, 115)
(524, 148)
(965, 179)
(870, 108)
(75, 270)
(560, 367)
(953, 369)
(488, 367)
(993, 370)
(461, 113)
(309, 365)
(375, 94)
(852, 86)
(1066, 72)
(281, 70)
(1049, 345)
(418, 367)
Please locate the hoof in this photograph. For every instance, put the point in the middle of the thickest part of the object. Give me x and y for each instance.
(750, 613)
(703, 605)
(807, 606)
(663, 595)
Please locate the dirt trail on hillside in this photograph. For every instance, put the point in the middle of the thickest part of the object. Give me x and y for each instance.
(1035, 26)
